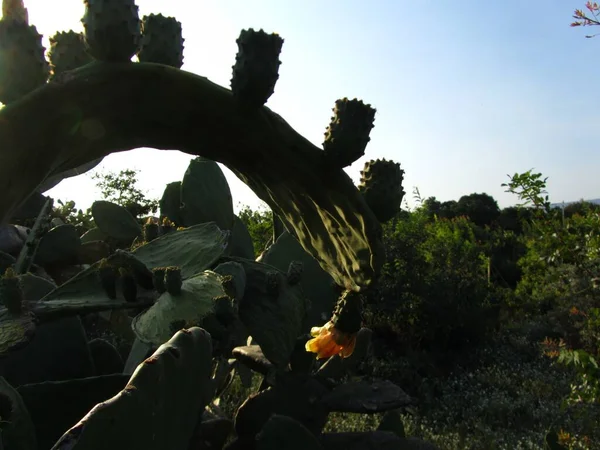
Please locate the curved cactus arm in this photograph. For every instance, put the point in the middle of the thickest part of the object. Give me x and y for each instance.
(104, 108)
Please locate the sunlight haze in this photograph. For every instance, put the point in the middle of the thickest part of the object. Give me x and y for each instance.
(466, 92)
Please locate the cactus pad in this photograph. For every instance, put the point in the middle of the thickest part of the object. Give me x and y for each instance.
(162, 41)
(256, 67)
(381, 186)
(112, 29)
(194, 303)
(193, 249)
(67, 52)
(348, 133)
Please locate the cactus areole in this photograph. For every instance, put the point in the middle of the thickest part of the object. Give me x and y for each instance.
(107, 107)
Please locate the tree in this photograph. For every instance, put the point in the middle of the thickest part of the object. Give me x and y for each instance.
(590, 18)
(482, 209)
(260, 226)
(120, 188)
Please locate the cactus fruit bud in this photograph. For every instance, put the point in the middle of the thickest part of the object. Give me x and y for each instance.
(112, 29)
(11, 293)
(229, 286)
(256, 68)
(162, 41)
(381, 187)
(67, 52)
(158, 279)
(224, 309)
(294, 272)
(150, 231)
(348, 133)
(15, 11)
(173, 281)
(167, 226)
(347, 314)
(108, 278)
(128, 286)
(23, 65)
(272, 284)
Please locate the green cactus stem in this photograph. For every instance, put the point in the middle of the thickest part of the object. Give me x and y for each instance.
(11, 293)
(319, 204)
(256, 68)
(108, 278)
(162, 41)
(112, 29)
(173, 280)
(348, 133)
(158, 279)
(128, 285)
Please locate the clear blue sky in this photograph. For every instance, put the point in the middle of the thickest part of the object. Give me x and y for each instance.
(466, 91)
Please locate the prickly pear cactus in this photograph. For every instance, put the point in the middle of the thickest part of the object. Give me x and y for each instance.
(381, 186)
(67, 52)
(348, 133)
(23, 66)
(112, 29)
(162, 41)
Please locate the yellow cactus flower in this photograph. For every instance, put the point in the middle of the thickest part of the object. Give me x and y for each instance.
(328, 341)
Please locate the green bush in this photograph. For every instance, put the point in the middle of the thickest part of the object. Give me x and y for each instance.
(434, 292)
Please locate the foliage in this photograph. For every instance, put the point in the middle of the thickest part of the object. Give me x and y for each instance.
(120, 188)
(434, 287)
(260, 226)
(560, 275)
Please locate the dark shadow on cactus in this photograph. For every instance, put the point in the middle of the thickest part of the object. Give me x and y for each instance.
(103, 108)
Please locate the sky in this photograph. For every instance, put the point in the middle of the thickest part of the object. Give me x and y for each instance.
(466, 91)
